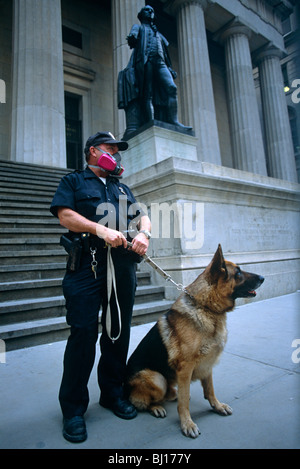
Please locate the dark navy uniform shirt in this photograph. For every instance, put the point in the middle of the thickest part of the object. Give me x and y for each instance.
(86, 194)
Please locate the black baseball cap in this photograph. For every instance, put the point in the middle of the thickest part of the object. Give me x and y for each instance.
(104, 137)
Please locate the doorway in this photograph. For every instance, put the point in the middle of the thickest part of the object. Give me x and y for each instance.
(73, 116)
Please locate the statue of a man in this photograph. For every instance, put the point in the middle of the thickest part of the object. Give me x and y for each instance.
(146, 88)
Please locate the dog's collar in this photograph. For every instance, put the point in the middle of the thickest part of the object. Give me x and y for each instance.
(188, 294)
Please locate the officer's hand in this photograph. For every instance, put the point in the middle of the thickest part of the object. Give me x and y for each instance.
(140, 244)
(114, 238)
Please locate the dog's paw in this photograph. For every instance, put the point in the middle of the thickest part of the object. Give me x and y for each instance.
(190, 429)
(222, 409)
(158, 411)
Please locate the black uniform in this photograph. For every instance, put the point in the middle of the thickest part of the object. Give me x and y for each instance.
(86, 194)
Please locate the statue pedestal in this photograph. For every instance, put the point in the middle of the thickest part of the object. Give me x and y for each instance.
(196, 205)
(155, 143)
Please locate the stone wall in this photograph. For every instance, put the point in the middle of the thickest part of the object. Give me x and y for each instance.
(254, 218)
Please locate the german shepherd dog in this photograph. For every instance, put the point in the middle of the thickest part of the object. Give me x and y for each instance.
(187, 341)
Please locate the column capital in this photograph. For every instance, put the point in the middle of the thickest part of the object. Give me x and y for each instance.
(266, 52)
(232, 28)
(179, 4)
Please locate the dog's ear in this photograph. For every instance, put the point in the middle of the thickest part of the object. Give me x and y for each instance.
(217, 267)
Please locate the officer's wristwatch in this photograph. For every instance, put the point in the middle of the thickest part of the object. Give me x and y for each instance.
(146, 233)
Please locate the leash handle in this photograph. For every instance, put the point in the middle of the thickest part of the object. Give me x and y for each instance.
(111, 284)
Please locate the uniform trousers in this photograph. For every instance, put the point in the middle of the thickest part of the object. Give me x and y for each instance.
(84, 297)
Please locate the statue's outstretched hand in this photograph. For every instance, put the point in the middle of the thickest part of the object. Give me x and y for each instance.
(132, 41)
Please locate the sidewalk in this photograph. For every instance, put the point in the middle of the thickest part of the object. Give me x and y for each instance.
(256, 376)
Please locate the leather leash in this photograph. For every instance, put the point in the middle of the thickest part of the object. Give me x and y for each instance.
(111, 284)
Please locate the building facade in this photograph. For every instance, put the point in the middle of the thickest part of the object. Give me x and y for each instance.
(60, 60)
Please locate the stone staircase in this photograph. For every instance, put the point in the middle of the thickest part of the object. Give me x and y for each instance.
(32, 264)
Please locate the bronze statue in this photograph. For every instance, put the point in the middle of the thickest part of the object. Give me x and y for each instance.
(146, 88)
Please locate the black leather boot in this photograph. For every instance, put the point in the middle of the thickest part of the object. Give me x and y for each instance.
(74, 429)
(172, 115)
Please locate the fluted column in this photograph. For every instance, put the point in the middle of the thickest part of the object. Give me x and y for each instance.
(279, 145)
(246, 134)
(124, 15)
(197, 103)
(38, 124)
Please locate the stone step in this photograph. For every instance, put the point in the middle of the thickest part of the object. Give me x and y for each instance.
(26, 289)
(32, 264)
(23, 192)
(17, 205)
(33, 172)
(30, 233)
(149, 293)
(31, 309)
(32, 256)
(25, 244)
(43, 288)
(13, 222)
(143, 278)
(31, 168)
(29, 181)
(29, 175)
(17, 273)
(25, 213)
(32, 333)
(24, 183)
(26, 198)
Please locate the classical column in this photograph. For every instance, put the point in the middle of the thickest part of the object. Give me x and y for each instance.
(197, 103)
(279, 145)
(246, 134)
(124, 15)
(38, 124)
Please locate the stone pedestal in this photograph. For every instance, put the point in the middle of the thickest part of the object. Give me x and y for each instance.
(195, 206)
(157, 142)
(38, 123)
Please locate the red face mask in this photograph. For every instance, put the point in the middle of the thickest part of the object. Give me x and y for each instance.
(109, 163)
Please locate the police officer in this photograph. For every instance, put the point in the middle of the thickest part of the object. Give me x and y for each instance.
(88, 204)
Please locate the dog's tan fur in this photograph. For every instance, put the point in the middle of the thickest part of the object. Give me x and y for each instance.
(194, 334)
